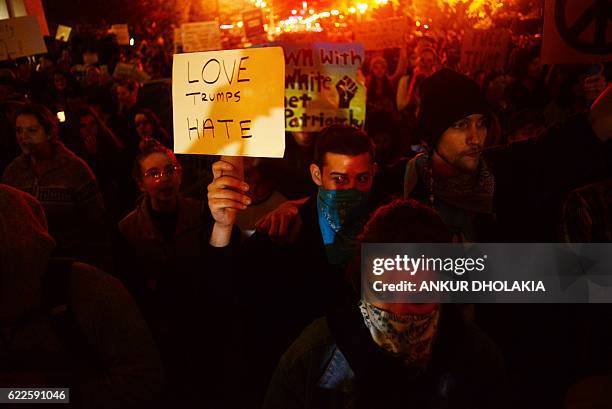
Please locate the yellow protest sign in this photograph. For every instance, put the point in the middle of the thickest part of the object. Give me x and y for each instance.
(63, 33)
(322, 87)
(229, 102)
(122, 32)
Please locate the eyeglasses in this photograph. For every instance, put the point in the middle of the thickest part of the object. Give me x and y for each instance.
(156, 174)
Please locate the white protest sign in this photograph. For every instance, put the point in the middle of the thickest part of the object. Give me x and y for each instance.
(381, 34)
(577, 31)
(229, 102)
(20, 37)
(203, 36)
(122, 32)
(63, 33)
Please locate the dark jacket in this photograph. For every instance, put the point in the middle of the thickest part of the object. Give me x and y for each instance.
(283, 288)
(71, 324)
(336, 364)
(159, 270)
(185, 288)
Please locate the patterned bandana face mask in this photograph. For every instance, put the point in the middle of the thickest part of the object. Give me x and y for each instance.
(342, 215)
(408, 336)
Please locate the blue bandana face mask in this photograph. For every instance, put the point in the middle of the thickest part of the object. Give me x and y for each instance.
(342, 215)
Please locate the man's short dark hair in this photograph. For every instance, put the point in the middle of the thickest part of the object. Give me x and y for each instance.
(401, 221)
(405, 221)
(343, 140)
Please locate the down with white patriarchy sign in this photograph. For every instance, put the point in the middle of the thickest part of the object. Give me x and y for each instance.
(229, 102)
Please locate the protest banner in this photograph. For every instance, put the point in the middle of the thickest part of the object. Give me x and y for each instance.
(20, 37)
(321, 85)
(35, 8)
(229, 102)
(381, 34)
(122, 32)
(484, 50)
(202, 36)
(63, 33)
(577, 31)
(253, 23)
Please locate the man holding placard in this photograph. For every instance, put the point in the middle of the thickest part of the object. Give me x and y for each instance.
(285, 287)
(227, 103)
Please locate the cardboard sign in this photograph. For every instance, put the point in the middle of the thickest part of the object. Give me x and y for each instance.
(20, 37)
(203, 36)
(122, 32)
(229, 102)
(63, 33)
(322, 86)
(381, 34)
(253, 23)
(577, 31)
(484, 50)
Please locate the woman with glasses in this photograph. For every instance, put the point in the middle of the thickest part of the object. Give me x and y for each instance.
(163, 253)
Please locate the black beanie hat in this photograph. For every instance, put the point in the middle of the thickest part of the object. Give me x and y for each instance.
(446, 97)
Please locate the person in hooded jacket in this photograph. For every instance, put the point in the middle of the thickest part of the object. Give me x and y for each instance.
(67, 324)
(366, 353)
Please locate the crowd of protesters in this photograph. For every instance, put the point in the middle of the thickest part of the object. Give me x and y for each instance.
(141, 278)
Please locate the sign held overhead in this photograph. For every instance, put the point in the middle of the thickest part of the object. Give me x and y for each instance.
(229, 102)
(20, 37)
(577, 31)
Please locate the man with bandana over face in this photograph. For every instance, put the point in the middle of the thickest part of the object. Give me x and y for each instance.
(373, 354)
(290, 285)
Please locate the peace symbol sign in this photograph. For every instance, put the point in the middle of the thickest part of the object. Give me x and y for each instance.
(599, 13)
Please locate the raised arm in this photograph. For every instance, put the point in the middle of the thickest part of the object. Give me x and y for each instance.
(226, 196)
(402, 66)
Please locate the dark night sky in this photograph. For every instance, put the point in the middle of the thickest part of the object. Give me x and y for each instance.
(90, 11)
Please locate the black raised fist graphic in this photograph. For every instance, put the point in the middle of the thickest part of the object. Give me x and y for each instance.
(347, 88)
